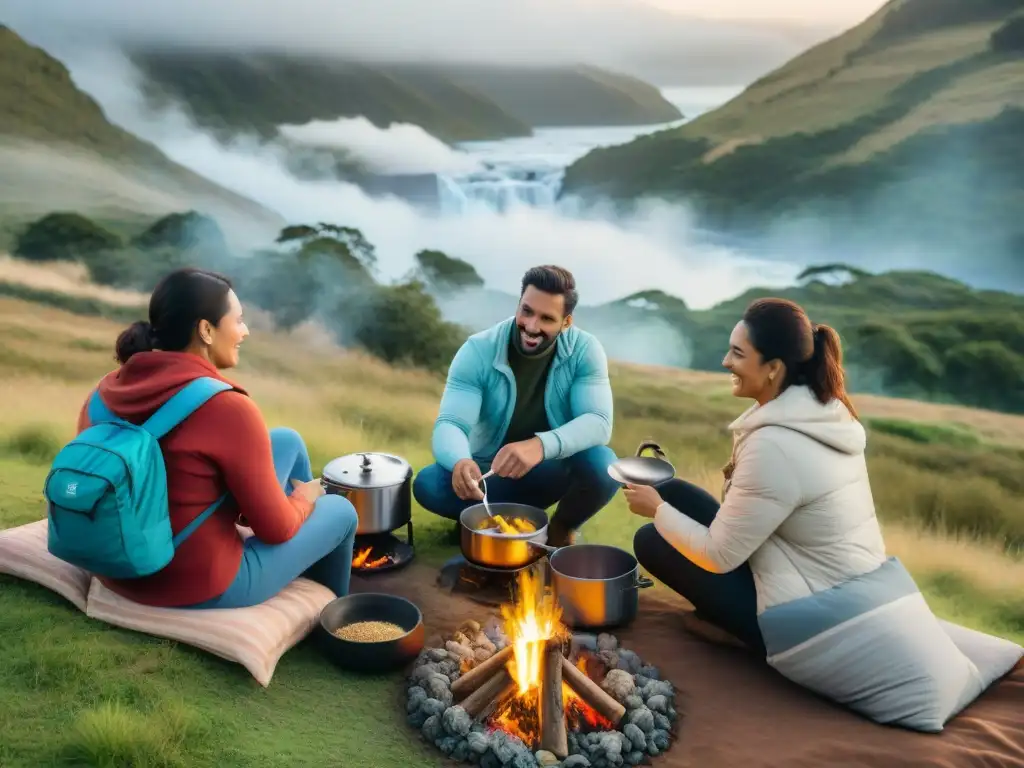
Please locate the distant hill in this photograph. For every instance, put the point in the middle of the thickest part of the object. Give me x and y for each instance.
(905, 129)
(57, 150)
(232, 92)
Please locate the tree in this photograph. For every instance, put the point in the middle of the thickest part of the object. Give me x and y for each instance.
(445, 272)
(64, 236)
(186, 231)
(355, 243)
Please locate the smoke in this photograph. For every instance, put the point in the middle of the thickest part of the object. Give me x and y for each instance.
(400, 148)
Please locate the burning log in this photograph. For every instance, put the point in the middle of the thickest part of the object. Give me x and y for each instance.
(480, 674)
(484, 700)
(592, 693)
(553, 737)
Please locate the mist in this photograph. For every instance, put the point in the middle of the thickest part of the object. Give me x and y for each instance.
(401, 148)
(629, 35)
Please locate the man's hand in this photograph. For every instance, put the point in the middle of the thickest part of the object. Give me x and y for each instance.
(466, 480)
(516, 459)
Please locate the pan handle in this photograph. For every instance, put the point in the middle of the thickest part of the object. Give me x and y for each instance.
(653, 446)
(546, 547)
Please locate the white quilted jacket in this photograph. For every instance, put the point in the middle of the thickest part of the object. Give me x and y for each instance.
(798, 506)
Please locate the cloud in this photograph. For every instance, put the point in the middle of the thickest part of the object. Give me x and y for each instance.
(625, 34)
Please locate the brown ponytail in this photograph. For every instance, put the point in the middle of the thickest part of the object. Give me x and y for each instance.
(824, 372)
(779, 329)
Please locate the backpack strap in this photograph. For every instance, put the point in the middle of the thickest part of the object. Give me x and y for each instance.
(183, 404)
(98, 411)
(201, 518)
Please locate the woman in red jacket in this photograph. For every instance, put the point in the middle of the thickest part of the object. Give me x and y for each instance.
(196, 329)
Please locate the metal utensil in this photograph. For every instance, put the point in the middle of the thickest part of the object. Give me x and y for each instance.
(483, 487)
(643, 470)
(504, 550)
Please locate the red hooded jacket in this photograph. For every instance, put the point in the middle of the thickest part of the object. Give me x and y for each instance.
(223, 446)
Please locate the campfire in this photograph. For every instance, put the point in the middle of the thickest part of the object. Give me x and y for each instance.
(365, 560)
(526, 691)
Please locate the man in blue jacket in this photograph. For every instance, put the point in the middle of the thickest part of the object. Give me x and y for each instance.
(530, 399)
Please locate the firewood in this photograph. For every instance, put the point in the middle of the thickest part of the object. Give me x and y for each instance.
(592, 693)
(553, 737)
(481, 703)
(481, 673)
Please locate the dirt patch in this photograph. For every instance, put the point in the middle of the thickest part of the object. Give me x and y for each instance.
(736, 711)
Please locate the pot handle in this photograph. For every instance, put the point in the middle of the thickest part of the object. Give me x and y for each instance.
(651, 445)
(642, 582)
(546, 547)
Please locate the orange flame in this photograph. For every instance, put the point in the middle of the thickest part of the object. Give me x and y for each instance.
(361, 560)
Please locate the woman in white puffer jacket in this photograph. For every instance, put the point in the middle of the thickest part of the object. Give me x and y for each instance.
(797, 515)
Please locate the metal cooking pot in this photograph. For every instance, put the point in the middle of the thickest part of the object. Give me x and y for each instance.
(379, 485)
(643, 470)
(597, 586)
(491, 549)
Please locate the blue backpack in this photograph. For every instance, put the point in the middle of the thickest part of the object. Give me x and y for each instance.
(106, 492)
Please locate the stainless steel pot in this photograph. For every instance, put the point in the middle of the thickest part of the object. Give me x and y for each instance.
(491, 549)
(597, 586)
(379, 485)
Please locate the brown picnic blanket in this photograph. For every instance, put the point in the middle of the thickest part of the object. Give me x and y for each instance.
(736, 712)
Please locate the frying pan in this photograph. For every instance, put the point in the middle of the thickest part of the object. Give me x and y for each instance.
(643, 470)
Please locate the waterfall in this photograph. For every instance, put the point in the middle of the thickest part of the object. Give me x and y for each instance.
(497, 191)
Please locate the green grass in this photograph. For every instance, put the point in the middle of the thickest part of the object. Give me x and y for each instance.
(74, 691)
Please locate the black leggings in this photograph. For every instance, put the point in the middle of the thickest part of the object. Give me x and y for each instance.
(728, 600)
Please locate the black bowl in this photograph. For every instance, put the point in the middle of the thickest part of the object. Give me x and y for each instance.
(371, 657)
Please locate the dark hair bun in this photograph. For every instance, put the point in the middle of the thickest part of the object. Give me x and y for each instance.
(137, 337)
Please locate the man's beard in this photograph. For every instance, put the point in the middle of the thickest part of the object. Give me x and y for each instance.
(544, 344)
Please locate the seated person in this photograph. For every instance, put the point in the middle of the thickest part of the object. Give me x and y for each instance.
(797, 516)
(195, 329)
(529, 399)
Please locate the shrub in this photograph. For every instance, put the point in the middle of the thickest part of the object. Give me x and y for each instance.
(444, 272)
(63, 237)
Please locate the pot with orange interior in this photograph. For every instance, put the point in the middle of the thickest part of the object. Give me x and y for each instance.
(507, 537)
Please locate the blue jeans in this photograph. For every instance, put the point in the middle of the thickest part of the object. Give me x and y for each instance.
(321, 549)
(580, 485)
(727, 600)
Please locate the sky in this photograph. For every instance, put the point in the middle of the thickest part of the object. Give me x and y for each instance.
(838, 13)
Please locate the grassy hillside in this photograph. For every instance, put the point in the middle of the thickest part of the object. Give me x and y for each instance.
(230, 92)
(58, 148)
(92, 695)
(910, 120)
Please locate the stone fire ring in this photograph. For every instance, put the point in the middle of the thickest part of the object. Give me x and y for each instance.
(645, 731)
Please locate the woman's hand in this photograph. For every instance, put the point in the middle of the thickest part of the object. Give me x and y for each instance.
(643, 500)
(310, 491)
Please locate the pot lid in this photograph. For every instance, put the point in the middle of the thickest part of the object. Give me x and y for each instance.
(367, 470)
(643, 470)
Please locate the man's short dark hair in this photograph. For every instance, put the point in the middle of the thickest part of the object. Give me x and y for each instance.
(555, 280)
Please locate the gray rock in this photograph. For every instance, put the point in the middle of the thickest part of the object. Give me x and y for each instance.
(661, 739)
(619, 684)
(662, 722)
(432, 729)
(634, 758)
(439, 687)
(478, 742)
(629, 661)
(610, 659)
(447, 744)
(490, 760)
(437, 654)
(524, 760)
(432, 707)
(642, 681)
(653, 749)
(658, 704)
(642, 718)
(652, 672)
(583, 642)
(672, 714)
(457, 721)
(659, 688)
(611, 743)
(545, 759)
(572, 741)
(461, 752)
(606, 642)
(637, 738)
(423, 672)
(417, 719)
(633, 702)
(575, 761)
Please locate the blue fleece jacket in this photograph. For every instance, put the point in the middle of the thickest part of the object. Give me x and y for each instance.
(480, 395)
